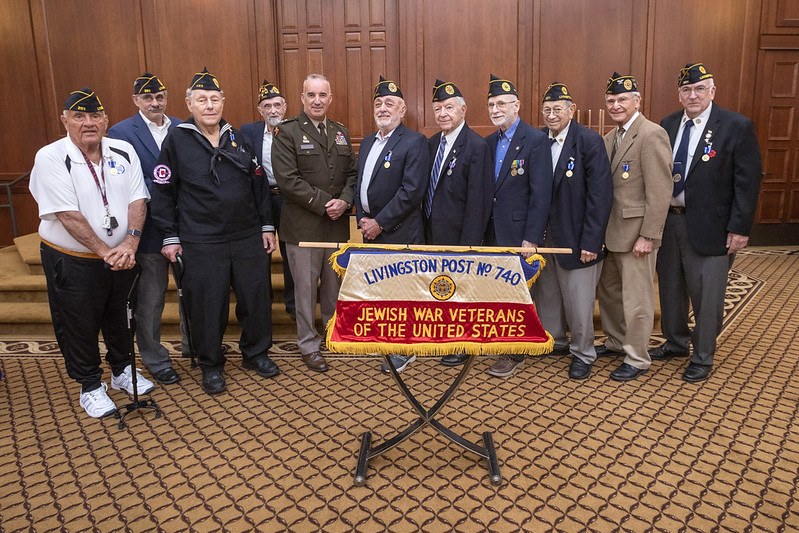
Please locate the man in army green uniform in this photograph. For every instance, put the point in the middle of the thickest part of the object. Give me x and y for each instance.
(313, 162)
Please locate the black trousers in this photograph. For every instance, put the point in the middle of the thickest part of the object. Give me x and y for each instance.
(85, 299)
(211, 269)
(288, 281)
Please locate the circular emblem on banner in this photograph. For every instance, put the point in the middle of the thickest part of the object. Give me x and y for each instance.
(442, 287)
(702, 69)
(628, 85)
(392, 87)
(505, 86)
(449, 90)
(161, 174)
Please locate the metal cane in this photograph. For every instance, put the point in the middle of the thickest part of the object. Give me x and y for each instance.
(136, 404)
(177, 272)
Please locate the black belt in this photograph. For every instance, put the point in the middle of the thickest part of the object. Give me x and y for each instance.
(274, 190)
(677, 209)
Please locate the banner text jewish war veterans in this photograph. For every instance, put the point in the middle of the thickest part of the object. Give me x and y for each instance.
(398, 300)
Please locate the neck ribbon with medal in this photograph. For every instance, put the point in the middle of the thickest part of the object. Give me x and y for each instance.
(109, 222)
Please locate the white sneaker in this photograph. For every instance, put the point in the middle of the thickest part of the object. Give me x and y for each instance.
(124, 381)
(97, 403)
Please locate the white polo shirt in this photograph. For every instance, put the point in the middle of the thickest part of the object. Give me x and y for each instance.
(57, 189)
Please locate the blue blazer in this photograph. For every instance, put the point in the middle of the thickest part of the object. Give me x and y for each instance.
(254, 134)
(720, 193)
(396, 193)
(581, 203)
(521, 202)
(462, 201)
(135, 131)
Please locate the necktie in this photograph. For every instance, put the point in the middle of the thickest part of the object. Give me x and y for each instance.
(431, 189)
(322, 130)
(681, 159)
(617, 142)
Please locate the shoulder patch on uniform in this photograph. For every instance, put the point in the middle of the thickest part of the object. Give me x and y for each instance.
(162, 174)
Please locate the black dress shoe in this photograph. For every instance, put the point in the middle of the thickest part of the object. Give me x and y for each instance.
(263, 365)
(602, 351)
(627, 373)
(696, 373)
(454, 359)
(167, 376)
(560, 350)
(213, 381)
(578, 369)
(664, 353)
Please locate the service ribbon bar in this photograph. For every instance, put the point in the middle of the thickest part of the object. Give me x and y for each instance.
(397, 300)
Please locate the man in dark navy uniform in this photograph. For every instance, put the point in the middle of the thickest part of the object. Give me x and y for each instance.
(458, 200)
(211, 202)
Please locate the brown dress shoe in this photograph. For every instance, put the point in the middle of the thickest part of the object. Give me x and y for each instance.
(315, 361)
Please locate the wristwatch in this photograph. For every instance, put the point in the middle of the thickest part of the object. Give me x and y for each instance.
(134, 232)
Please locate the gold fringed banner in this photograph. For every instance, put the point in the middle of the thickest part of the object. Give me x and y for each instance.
(398, 300)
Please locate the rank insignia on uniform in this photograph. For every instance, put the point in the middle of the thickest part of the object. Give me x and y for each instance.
(161, 174)
(340, 139)
(305, 139)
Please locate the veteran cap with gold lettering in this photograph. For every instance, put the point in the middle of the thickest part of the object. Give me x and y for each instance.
(204, 80)
(693, 73)
(83, 100)
(498, 86)
(148, 83)
(443, 90)
(557, 91)
(618, 84)
(268, 90)
(386, 87)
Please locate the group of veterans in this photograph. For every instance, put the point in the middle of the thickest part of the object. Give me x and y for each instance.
(677, 198)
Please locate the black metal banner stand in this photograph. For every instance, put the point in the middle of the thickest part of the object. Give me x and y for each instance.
(427, 418)
(136, 404)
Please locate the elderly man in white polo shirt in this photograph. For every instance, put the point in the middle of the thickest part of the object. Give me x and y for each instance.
(92, 203)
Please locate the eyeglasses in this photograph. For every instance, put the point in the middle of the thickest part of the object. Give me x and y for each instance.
(701, 90)
(500, 104)
(621, 100)
(554, 111)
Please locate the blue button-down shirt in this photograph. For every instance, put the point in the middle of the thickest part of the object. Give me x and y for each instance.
(503, 145)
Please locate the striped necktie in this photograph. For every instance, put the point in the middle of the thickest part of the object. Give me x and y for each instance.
(431, 190)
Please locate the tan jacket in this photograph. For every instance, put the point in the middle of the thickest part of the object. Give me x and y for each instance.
(641, 200)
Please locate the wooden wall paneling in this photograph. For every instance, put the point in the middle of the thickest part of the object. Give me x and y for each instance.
(582, 46)
(411, 52)
(191, 35)
(267, 66)
(464, 43)
(111, 60)
(301, 34)
(716, 39)
(778, 135)
(528, 70)
(370, 44)
(20, 95)
(780, 16)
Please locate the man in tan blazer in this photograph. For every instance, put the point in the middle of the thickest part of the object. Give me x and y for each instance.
(640, 160)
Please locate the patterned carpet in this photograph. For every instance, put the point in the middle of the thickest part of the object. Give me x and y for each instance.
(279, 455)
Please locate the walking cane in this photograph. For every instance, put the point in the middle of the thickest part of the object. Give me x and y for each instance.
(177, 272)
(136, 404)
